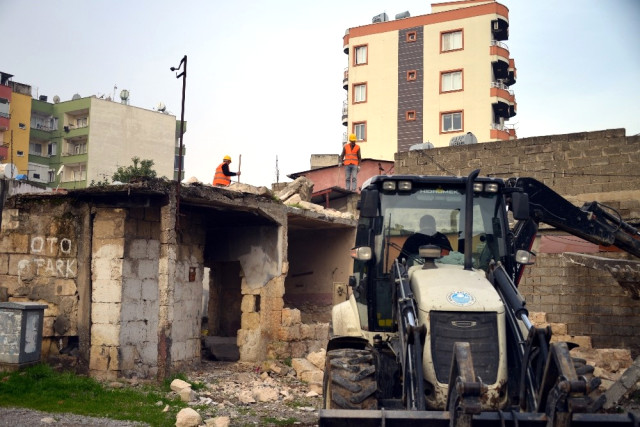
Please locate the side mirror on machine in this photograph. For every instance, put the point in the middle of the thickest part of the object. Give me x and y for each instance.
(520, 206)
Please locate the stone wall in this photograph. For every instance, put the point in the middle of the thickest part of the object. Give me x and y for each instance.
(44, 259)
(588, 166)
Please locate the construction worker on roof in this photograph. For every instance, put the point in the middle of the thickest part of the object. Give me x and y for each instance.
(223, 175)
(350, 157)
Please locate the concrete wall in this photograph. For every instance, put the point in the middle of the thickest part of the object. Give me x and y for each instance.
(319, 259)
(138, 131)
(44, 258)
(586, 166)
(123, 280)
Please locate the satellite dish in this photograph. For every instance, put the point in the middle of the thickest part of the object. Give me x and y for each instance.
(76, 97)
(124, 94)
(8, 170)
(56, 99)
(161, 107)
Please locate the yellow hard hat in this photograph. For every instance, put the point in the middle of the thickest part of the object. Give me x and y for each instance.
(226, 158)
(352, 137)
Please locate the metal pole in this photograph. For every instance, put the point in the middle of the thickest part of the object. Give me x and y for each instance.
(183, 74)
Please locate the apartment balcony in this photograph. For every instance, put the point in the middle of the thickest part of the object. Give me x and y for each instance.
(499, 53)
(512, 73)
(502, 132)
(4, 122)
(345, 113)
(345, 79)
(500, 29)
(503, 100)
(4, 152)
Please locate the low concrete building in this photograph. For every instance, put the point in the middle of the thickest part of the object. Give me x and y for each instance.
(121, 270)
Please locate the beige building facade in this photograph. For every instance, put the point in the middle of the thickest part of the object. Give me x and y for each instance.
(430, 78)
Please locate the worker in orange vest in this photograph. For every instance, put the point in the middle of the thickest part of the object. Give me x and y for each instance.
(223, 175)
(350, 157)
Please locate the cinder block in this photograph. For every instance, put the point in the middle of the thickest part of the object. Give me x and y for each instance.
(105, 334)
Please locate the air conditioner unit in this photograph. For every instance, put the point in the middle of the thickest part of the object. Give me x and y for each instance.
(382, 17)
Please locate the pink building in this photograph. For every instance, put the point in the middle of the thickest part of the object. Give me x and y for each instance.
(329, 181)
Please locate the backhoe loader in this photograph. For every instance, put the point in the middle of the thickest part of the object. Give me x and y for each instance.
(436, 333)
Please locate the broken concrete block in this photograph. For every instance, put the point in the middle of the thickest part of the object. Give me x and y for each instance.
(291, 316)
(626, 384)
(188, 417)
(177, 385)
(317, 358)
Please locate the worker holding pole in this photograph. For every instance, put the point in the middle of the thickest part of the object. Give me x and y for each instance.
(222, 177)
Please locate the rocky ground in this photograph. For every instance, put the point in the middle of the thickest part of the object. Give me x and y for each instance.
(224, 394)
(228, 394)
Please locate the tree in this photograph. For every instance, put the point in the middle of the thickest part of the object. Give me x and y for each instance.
(139, 169)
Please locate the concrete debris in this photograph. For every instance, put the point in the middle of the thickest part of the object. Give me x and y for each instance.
(230, 389)
(188, 417)
(187, 395)
(302, 186)
(177, 385)
(625, 385)
(234, 186)
(218, 422)
(318, 358)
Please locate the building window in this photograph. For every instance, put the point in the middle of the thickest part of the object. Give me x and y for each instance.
(36, 176)
(360, 130)
(52, 149)
(80, 148)
(35, 149)
(22, 126)
(452, 122)
(52, 176)
(451, 81)
(81, 122)
(359, 93)
(20, 153)
(410, 115)
(360, 55)
(412, 36)
(4, 108)
(412, 75)
(451, 41)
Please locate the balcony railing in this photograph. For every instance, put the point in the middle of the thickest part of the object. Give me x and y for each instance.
(499, 44)
(500, 85)
(502, 127)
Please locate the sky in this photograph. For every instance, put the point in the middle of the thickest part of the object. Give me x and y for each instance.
(264, 78)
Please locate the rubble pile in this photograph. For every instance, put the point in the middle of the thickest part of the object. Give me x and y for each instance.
(238, 393)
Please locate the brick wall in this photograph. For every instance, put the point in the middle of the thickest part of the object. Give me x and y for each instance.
(586, 166)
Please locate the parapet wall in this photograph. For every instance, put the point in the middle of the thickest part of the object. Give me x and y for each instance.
(601, 166)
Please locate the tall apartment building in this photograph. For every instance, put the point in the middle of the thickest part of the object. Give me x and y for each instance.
(430, 78)
(15, 112)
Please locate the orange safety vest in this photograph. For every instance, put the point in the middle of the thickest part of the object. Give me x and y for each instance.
(220, 178)
(351, 157)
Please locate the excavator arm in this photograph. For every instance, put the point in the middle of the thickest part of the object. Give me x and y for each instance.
(592, 222)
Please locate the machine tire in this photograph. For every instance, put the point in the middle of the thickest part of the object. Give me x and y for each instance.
(350, 380)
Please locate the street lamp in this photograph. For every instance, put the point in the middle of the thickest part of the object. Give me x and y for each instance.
(183, 74)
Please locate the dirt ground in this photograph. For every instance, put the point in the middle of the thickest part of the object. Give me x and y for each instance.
(229, 395)
(229, 390)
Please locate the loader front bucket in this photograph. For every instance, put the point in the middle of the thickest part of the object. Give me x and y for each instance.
(403, 418)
